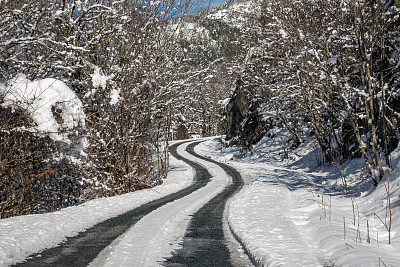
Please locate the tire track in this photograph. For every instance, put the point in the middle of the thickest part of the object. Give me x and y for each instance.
(204, 243)
(82, 249)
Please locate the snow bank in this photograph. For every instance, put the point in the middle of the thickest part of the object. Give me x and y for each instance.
(291, 213)
(158, 234)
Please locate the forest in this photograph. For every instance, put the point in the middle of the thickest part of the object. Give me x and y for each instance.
(137, 68)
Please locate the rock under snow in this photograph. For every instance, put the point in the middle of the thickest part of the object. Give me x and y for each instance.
(52, 105)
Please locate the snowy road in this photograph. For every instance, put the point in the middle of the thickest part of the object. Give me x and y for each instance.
(205, 242)
(148, 235)
(190, 229)
(279, 217)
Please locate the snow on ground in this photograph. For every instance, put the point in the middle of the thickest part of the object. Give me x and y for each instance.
(161, 232)
(24, 235)
(293, 213)
(289, 213)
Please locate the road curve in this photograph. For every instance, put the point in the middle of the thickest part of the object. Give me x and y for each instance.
(204, 242)
(82, 249)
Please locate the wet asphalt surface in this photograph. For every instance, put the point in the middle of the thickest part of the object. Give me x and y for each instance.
(203, 244)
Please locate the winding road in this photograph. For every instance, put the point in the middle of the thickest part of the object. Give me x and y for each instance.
(206, 242)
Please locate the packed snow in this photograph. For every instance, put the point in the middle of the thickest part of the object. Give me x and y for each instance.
(38, 98)
(161, 232)
(24, 235)
(292, 212)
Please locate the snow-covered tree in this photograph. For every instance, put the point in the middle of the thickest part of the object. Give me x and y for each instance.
(120, 59)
